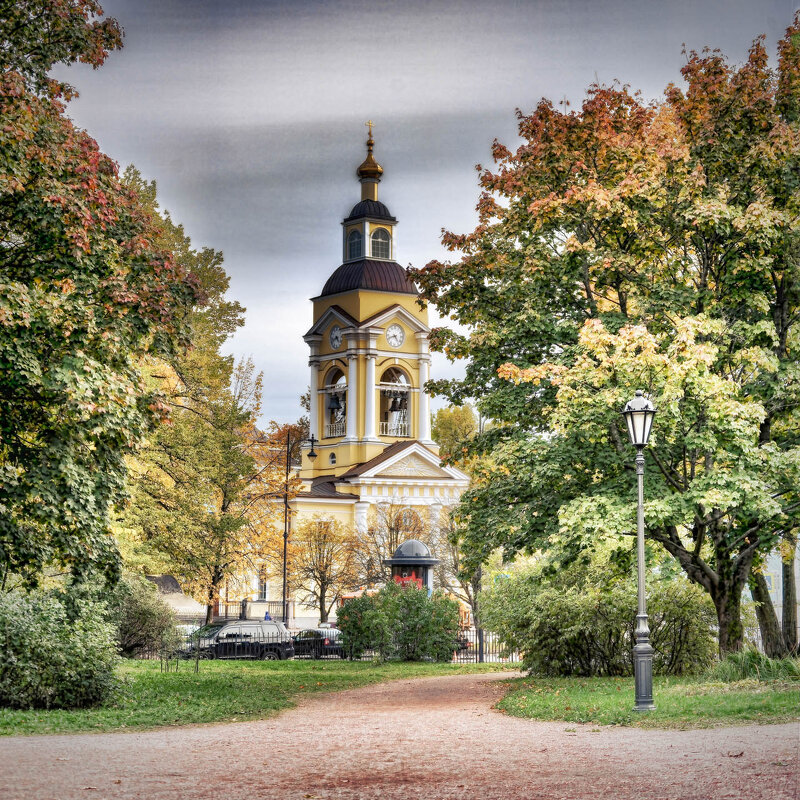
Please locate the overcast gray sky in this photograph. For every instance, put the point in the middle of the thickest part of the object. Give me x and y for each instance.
(250, 116)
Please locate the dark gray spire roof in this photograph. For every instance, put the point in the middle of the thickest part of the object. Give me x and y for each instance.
(381, 276)
(373, 209)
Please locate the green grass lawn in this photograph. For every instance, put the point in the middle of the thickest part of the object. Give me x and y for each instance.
(223, 691)
(680, 702)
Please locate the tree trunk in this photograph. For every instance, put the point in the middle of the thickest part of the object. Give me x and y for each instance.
(323, 610)
(212, 593)
(729, 618)
(771, 637)
(789, 596)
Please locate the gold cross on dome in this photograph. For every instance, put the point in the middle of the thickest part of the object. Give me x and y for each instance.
(369, 124)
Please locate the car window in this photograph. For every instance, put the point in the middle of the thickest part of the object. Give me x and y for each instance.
(270, 630)
(208, 630)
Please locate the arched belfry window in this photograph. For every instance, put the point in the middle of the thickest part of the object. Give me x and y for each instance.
(395, 398)
(354, 245)
(381, 244)
(335, 403)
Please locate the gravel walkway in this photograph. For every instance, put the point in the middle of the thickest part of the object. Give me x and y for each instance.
(423, 738)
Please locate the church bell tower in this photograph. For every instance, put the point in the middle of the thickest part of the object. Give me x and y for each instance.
(369, 355)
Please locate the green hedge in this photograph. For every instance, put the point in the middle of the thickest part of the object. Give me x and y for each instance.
(582, 623)
(399, 623)
(57, 650)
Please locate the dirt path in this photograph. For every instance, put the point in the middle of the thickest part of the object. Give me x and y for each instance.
(424, 738)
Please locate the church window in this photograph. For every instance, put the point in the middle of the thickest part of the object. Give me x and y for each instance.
(332, 458)
(380, 244)
(354, 241)
(335, 404)
(394, 417)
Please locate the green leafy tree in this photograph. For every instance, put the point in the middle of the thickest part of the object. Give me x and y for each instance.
(86, 293)
(627, 246)
(451, 428)
(205, 490)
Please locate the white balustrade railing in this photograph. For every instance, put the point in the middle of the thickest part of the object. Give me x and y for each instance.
(394, 429)
(334, 429)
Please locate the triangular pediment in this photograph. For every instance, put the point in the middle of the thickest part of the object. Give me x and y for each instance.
(406, 460)
(334, 314)
(412, 466)
(395, 313)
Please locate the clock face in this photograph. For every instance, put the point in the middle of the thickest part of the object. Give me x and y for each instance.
(336, 337)
(395, 335)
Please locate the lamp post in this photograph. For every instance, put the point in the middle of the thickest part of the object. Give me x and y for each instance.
(639, 414)
(286, 518)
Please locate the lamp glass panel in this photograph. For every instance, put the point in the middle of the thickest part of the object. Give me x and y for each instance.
(648, 423)
(639, 418)
(629, 420)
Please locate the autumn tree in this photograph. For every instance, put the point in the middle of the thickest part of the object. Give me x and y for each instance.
(86, 292)
(389, 524)
(37, 34)
(454, 573)
(323, 562)
(625, 246)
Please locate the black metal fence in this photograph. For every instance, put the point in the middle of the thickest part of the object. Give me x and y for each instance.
(481, 646)
(248, 640)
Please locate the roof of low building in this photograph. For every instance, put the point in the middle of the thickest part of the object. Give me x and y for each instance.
(325, 486)
(385, 455)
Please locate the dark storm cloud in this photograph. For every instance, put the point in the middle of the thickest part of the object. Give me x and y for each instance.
(250, 117)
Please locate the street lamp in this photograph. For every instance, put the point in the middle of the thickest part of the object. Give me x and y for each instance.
(311, 455)
(639, 414)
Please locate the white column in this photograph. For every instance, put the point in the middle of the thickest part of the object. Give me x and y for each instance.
(361, 516)
(352, 398)
(424, 420)
(436, 514)
(313, 410)
(369, 406)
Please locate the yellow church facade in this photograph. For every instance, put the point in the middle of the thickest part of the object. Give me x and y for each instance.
(369, 414)
(369, 360)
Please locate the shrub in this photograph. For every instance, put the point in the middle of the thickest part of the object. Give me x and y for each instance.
(365, 626)
(582, 623)
(752, 664)
(400, 623)
(144, 622)
(421, 626)
(57, 650)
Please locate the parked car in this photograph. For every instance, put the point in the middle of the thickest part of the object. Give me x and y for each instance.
(318, 643)
(264, 639)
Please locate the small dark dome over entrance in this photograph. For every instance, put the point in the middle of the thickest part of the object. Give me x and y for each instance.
(412, 548)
